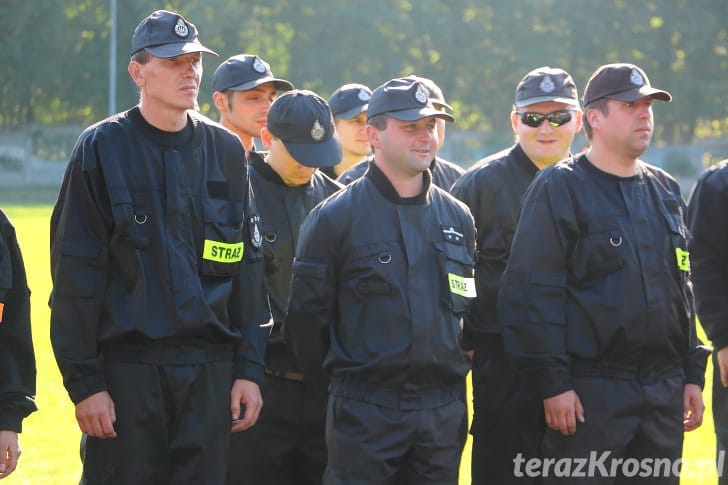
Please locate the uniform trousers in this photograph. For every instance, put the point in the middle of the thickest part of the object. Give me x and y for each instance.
(633, 432)
(368, 443)
(508, 420)
(173, 420)
(286, 446)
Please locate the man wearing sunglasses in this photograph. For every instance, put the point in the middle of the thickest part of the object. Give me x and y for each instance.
(596, 303)
(507, 410)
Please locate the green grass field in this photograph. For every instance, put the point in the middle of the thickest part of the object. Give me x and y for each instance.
(50, 439)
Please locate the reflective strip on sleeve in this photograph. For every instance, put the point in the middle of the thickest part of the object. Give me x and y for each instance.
(462, 286)
(221, 252)
(683, 259)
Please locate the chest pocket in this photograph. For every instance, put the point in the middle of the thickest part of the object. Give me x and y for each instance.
(679, 239)
(223, 246)
(457, 275)
(598, 251)
(369, 271)
(129, 235)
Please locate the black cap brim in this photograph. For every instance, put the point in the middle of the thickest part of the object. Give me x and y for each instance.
(546, 99)
(280, 84)
(351, 113)
(166, 51)
(639, 93)
(415, 114)
(316, 155)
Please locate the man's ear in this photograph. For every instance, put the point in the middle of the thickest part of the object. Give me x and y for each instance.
(135, 72)
(373, 136)
(266, 137)
(220, 100)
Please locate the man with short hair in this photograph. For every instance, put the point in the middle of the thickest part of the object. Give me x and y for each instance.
(243, 89)
(349, 105)
(596, 301)
(382, 275)
(287, 445)
(507, 410)
(444, 173)
(158, 312)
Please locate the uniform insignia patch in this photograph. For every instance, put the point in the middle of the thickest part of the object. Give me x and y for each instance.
(317, 131)
(421, 94)
(547, 84)
(363, 95)
(452, 234)
(180, 28)
(258, 66)
(256, 237)
(636, 78)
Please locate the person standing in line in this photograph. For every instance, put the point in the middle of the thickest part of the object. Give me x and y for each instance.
(382, 276)
(596, 301)
(709, 262)
(287, 445)
(507, 410)
(158, 314)
(349, 105)
(243, 89)
(17, 357)
(444, 173)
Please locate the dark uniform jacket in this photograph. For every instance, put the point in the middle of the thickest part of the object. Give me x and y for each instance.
(599, 277)
(492, 188)
(155, 238)
(709, 251)
(282, 210)
(17, 359)
(379, 286)
(444, 173)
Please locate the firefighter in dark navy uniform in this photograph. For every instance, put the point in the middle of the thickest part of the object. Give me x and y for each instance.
(443, 172)
(382, 276)
(158, 311)
(596, 303)
(17, 357)
(709, 263)
(287, 446)
(507, 410)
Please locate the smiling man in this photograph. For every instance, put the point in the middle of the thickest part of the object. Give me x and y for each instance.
(382, 275)
(507, 411)
(158, 297)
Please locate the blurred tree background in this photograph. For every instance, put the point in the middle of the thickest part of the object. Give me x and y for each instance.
(55, 53)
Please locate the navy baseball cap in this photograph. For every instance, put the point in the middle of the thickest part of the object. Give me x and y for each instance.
(244, 72)
(404, 100)
(623, 82)
(545, 84)
(303, 122)
(167, 34)
(436, 94)
(349, 100)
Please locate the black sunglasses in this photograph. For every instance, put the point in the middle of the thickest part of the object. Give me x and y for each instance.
(556, 118)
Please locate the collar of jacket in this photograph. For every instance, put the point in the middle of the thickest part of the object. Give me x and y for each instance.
(385, 187)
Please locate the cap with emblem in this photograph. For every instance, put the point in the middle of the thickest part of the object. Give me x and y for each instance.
(545, 84)
(436, 94)
(404, 100)
(303, 122)
(244, 72)
(623, 82)
(167, 34)
(349, 100)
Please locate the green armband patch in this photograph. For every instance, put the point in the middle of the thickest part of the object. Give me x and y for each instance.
(683, 259)
(221, 252)
(462, 286)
